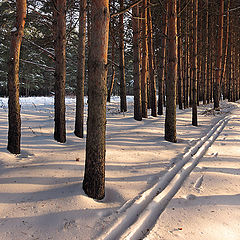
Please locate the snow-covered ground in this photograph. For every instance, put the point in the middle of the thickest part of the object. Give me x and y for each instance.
(40, 189)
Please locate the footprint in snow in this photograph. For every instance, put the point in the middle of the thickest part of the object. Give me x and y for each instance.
(198, 183)
(191, 197)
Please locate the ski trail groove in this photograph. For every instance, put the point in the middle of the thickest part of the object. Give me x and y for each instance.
(151, 203)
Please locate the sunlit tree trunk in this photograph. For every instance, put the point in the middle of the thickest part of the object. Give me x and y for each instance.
(162, 57)
(144, 60)
(152, 81)
(110, 89)
(94, 176)
(60, 69)
(187, 73)
(223, 79)
(219, 56)
(195, 47)
(180, 80)
(81, 71)
(170, 119)
(136, 67)
(205, 60)
(14, 118)
(123, 98)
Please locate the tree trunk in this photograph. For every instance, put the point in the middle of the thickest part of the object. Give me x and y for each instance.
(14, 118)
(162, 57)
(136, 67)
(205, 60)
(144, 87)
(94, 176)
(187, 76)
(60, 70)
(219, 56)
(170, 119)
(195, 47)
(81, 71)
(123, 98)
(223, 79)
(180, 80)
(152, 81)
(110, 89)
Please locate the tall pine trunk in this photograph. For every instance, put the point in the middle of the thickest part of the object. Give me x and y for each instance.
(123, 98)
(223, 79)
(152, 81)
(136, 67)
(14, 118)
(144, 86)
(60, 70)
(219, 56)
(111, 84)
(161, 67)
(170, 119)
(94, 176)
(194, 63)
(81, 70)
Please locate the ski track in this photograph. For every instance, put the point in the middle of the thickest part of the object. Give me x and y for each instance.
(138, 216)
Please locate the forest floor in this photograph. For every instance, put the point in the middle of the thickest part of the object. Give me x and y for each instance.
(41, 194)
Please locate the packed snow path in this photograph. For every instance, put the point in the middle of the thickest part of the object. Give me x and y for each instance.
(135, 221)
(208, 204)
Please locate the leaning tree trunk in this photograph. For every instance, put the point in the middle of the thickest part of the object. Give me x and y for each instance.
(170, 119)
(219, 56)
(136, 67)
(81, 70)
(123, 98)
(14, 118)
(60, 69)
(94, 177)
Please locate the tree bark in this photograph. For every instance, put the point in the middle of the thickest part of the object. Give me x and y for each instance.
(152, 81)
(180, 80)
(60, 70)
(14, 118)
(170, 119)
(110, 89)
(219, 56)
(144, 87)
(123, 97)
(94, 176)
(136, 67)
(195, 47)
(79, 121)
(161, 68)
(223, 79)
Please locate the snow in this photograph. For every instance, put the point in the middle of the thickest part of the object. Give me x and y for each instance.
(41, 194)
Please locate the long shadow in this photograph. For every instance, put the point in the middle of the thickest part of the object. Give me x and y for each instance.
(72, 189)
(232, 171)
(223, 200)
(40, 180)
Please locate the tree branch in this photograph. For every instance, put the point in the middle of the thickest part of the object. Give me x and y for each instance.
(126, 9)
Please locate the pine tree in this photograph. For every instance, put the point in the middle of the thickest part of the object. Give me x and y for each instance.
(136, 71)
(79, 120)
(94, 176)
(60, 69)
(14, 118)
(170, 118)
